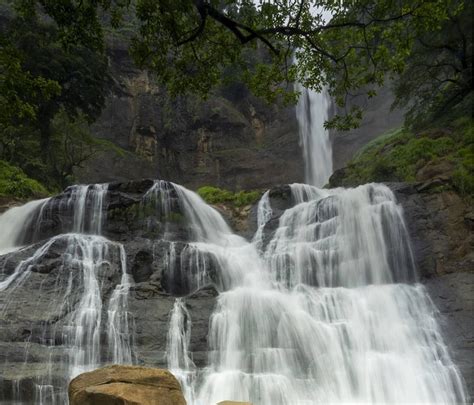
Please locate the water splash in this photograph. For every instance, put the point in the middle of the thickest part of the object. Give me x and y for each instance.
(14, 223)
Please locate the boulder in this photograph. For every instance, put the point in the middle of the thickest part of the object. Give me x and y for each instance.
(126, 385)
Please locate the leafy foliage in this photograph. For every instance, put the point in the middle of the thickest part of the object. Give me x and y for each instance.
(438, 72)
(195, 45)
(21, 93)
(48, 95)
(14, 182)
(215, 195)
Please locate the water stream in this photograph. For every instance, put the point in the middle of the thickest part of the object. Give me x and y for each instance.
(312, 111)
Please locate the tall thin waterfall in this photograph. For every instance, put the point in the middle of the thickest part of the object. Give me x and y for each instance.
(312, 111)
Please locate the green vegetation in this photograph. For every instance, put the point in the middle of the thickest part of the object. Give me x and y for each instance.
(402, 154)
(215, 195)
(438, 73)
(15, 183)
(49, 94)
(195, 46)
(54, 73)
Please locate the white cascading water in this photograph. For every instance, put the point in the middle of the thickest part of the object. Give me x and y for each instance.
(323, 310)
(312, 111)
(85, 259)
(328, 313)
(13, 224)
(178, 358)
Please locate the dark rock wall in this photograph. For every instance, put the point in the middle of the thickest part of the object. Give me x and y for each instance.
(33, 317)
(231, 140)
(378, 118)
(441, 228)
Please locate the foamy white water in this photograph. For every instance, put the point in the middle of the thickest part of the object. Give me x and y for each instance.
(324, 309)
(13, 224)
(329, 313)
(78, 291)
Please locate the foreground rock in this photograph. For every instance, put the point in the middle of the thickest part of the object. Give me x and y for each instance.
(126, 385)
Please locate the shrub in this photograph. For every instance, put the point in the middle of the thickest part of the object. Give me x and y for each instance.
(399, 155)
(15, 183)
(216, 195)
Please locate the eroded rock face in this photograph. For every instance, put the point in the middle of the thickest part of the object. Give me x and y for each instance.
(230, 140)
(441, 229)
(127, 385)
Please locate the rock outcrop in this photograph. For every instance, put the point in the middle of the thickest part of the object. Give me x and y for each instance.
(127, 385)
(231, 140)
(441, 228)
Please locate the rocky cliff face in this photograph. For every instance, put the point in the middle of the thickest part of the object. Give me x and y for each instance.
(231, 140)
(441, 227)
(378, 118)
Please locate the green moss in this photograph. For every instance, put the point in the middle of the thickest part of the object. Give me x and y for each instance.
(215, 195)
(175, 217)
(15, 183)
(399, 155)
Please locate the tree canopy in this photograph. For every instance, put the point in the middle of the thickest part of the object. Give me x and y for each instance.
(350, 46)
(54, 68)
(42, 78)
(438, 72)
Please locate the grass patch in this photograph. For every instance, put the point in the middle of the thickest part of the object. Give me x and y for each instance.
(15, 183)
(399, 155)
(216, 195)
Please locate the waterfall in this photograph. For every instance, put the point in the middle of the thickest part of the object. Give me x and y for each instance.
(179, 362)
(312, 111)
(13, 224)
(323, 306)
(328, 312)
(79, 298)
(264, 214)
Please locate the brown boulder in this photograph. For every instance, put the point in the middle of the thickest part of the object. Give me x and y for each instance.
(126, 385)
